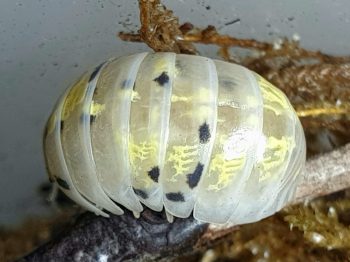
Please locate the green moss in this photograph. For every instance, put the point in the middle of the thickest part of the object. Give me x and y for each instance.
(323, 222)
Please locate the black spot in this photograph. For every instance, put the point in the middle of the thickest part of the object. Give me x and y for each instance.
(162, 79)
(154, 174)
(140, 193)
(62, 125)
(175, 197)
(94, 73)
(208, 7)
(204, 133)
(62, 183)
(92, 118)
(193, 179)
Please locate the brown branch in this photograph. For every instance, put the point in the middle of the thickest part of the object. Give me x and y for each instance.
(129, 37)
(325, 174)
(209, 35)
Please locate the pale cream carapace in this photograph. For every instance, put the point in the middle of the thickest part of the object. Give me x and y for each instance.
(182, 132)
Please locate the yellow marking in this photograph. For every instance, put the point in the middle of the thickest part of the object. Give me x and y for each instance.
(142, 157)
(175, 98)
(219, 120)
(161, 65)
(224, 170)
(182, 157)
(203, 95)
(51, 123)
(96, 108)
(278, 150)
(74, 97)
(274, 99)
(135, 153)
(139, 152)
(135, 96)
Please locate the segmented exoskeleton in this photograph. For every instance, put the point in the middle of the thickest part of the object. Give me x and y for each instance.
(182, 132)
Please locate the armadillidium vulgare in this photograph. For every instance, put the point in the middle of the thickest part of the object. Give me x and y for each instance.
(182, 132)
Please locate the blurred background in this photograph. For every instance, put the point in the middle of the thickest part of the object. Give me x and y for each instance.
(46, 44)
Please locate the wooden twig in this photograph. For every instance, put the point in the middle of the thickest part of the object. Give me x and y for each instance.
(325, 174)
(123, 238)
(209, 35)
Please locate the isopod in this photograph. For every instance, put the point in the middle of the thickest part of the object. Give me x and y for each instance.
(185, 133)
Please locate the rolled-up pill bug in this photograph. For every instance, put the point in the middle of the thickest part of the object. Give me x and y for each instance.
(185, 133)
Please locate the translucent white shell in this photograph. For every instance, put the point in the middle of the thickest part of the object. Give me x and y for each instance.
(182, 132)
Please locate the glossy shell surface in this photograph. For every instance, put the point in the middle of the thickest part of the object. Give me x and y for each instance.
(180, 132)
